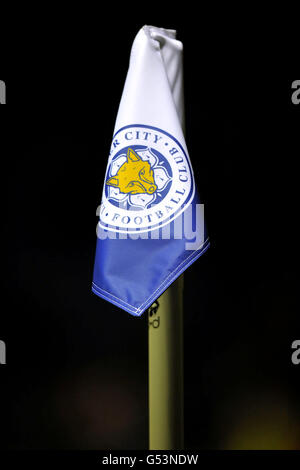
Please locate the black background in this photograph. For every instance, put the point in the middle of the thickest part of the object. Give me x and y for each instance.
(76, 373)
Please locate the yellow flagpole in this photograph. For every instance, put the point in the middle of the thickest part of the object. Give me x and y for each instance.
(165, 326)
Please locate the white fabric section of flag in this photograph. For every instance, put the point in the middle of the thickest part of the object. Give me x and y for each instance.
(153, 91)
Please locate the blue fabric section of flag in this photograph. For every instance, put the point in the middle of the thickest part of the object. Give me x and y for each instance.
(132, 274)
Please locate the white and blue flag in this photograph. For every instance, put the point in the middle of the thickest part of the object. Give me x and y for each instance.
(151, 225)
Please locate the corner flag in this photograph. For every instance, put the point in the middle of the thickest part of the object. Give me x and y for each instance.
(151, 224)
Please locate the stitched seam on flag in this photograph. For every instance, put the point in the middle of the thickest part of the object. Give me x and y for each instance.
(138, 309)
(128, 307)
(111, 295)
(111, 298)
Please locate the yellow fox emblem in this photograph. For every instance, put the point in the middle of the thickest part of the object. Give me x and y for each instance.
(135, 176)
